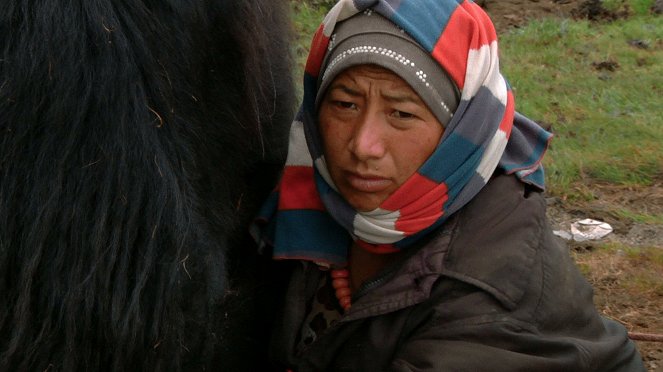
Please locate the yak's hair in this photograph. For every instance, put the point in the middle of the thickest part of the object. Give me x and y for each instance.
(137, 138)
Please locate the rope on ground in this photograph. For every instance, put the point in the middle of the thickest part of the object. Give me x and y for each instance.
(637, 336)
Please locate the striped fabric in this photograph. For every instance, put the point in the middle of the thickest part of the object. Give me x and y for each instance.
(305, 218)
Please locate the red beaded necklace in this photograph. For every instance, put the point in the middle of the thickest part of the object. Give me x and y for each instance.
(341, 283)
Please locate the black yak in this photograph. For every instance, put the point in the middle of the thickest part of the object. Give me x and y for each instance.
(137, 139)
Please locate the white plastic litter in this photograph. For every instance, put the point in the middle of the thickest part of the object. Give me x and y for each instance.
(589, 229)
(563, 234)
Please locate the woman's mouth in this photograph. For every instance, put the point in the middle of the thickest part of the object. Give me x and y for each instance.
(367, 183)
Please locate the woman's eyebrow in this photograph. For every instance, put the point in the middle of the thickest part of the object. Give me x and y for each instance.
(345, 89)
(398, 97)
(401, 97)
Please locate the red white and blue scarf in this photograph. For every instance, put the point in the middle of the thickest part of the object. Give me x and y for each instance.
(305, 218)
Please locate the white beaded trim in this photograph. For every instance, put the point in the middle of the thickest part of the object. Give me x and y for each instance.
(368, 49)
(382, 51)
(446, 108)
(332, 41)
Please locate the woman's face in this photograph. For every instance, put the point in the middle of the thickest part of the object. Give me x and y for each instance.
(376, 133)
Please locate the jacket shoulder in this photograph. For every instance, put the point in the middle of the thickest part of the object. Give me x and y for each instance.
(496, 240)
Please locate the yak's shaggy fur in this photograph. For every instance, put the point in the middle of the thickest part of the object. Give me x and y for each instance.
(135, 142)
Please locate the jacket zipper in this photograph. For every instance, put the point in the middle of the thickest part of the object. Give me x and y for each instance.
(374, 283)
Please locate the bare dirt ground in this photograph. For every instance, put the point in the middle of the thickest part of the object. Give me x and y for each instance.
(628, 287)
(515, 13)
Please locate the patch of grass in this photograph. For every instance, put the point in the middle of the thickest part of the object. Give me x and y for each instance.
(622, 273)
(637, 7)
(307, 20)
(307, 15)
(639, 254)
(646, 264)
(599, 86)
(640, 217)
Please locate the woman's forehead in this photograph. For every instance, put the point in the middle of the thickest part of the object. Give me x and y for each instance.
(360, 73)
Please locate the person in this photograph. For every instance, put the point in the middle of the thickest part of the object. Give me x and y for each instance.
(410, 212)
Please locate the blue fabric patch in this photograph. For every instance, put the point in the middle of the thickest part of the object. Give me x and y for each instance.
(537, 178)
(308, 233)
(479, 126)
(541, 144)
(463, 194)
(424, 20)
(269, 207)
(520, 157)
(461, 177)
(446, 160)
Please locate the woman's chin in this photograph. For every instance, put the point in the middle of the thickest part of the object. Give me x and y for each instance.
(363, 202)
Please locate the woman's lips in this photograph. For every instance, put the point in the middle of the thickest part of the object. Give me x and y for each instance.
(367, 183)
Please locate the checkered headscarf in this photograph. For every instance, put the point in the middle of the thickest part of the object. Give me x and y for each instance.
(305, 218)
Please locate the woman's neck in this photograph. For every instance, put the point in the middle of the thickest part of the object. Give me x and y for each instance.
(364, 265)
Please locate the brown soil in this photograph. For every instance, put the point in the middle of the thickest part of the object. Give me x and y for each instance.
(628, 287)
(508, 14)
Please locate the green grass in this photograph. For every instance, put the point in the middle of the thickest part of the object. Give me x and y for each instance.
(638, 7)
(607, 123)
(645, 218)
(307, 19)
(308, 16)
(643, 265)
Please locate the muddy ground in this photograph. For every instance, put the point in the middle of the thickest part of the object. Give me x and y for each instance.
(611, 273)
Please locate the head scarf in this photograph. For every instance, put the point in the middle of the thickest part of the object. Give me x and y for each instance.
(305, 218)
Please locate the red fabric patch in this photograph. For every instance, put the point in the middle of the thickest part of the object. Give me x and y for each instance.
(376, 248)
(317, 53)
(420, 201)
(453, 46)
(507, 120)
(300, 192)
(487, 34)
(414, 192)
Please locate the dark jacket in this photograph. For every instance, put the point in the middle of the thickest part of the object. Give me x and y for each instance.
(491, 290)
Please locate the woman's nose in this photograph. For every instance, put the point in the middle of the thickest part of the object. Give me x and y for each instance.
(368, 140)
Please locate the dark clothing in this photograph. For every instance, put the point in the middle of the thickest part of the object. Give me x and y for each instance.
(490, 290)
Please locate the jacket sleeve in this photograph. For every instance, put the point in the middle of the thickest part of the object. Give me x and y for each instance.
(509, 346)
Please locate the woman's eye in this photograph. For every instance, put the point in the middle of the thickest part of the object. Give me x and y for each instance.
(403, 115)
(344, 104)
